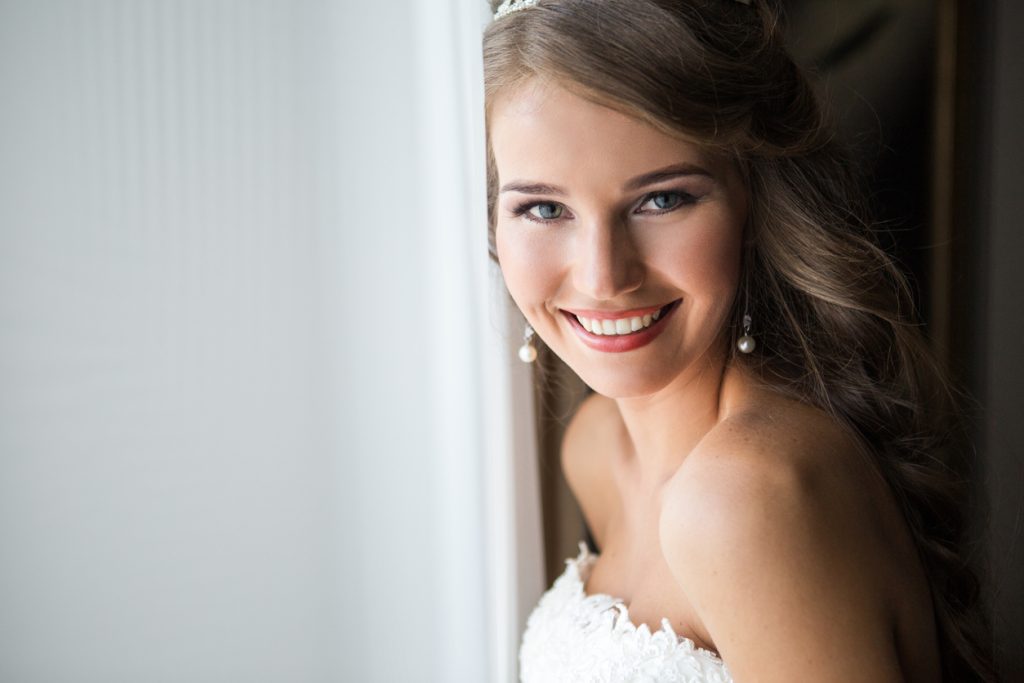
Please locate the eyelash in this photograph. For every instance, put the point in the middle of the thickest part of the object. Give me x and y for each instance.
(686, 199)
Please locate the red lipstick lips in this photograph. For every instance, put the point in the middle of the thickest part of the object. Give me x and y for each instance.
(626, 342)
(612, 315)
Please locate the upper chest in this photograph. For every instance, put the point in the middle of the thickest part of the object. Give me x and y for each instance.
(632, 568)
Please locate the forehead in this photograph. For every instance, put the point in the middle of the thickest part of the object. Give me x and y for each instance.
(544, 130)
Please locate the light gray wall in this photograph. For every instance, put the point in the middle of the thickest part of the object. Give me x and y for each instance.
(216, 453)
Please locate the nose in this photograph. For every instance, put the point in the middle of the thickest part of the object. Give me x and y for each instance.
(607, 261)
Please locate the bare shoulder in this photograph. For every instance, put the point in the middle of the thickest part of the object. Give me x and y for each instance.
(588, 447)
(771, 528)
(791, 456)
(770, 470)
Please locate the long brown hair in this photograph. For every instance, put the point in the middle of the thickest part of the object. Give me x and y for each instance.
(833, 314)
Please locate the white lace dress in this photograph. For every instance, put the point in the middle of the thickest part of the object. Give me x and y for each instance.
(572, 637)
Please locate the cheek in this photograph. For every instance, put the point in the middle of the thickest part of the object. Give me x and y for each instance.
(706, 263)
(717, 262)
(529, 264)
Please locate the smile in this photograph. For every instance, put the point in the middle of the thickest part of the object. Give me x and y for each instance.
(619, 326)
(630, 330)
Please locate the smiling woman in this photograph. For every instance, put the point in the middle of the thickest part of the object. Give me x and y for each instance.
(769, 464)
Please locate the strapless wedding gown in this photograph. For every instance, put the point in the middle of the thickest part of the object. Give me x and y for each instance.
(572, 637)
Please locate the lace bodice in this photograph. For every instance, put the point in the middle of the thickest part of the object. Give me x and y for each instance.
(572, 637)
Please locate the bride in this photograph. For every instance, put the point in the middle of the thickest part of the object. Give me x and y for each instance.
(768, 463)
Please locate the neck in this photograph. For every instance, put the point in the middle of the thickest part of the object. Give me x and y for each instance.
(665, 426)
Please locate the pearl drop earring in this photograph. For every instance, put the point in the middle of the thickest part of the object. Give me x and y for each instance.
(527, 352)
(746, 343)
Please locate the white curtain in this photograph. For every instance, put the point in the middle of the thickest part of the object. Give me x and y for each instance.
(260, 417)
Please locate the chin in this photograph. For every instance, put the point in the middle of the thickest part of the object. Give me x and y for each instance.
(624, 375)
(621, 382)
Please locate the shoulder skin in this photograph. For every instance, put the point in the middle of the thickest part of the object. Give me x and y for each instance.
(770, 529)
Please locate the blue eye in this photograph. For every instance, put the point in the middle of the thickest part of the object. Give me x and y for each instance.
(545, 211)
(549, 211)
(668, 200)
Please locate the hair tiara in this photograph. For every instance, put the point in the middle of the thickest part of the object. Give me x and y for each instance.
(509, 6)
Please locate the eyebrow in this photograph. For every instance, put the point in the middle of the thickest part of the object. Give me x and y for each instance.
(661, 175)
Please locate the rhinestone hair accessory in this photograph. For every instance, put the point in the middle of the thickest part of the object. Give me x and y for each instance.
(510, 6)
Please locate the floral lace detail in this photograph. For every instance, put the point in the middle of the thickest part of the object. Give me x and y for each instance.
(572, 637)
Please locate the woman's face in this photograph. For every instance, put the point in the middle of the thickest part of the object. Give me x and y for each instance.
(602, 220)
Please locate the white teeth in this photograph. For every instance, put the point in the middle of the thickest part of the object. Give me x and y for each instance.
(657, 314)
(617, 327)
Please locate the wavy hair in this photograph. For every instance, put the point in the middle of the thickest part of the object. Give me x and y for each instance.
(835, 316)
